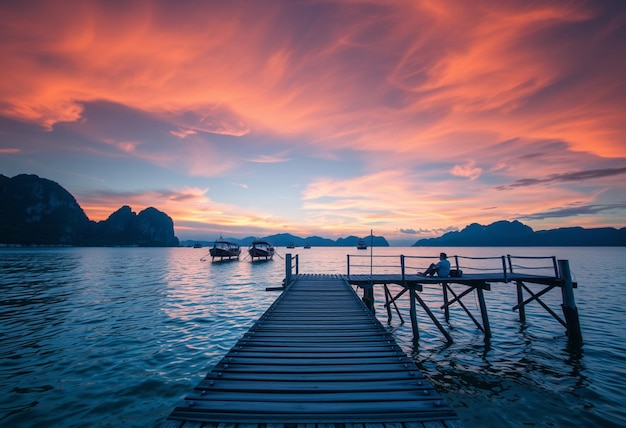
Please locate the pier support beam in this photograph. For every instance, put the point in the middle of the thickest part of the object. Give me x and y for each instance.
(570, 311)
(368, 298)
(520, 301)
(413, 314)
(483, 313)
(414, 299)
(446, 307)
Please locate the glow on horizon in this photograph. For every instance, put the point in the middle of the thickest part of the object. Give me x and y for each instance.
(322, 118)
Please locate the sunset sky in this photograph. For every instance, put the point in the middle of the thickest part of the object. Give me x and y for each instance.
(328, 118)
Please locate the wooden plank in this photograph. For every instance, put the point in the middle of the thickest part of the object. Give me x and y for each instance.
(288, 352)
(318, 360)
(263, 385)
(314, 376)
(334, 369)
(355, 398)
(303, 347)
(320, 412)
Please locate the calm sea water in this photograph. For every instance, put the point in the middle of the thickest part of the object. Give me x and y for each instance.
(117, 336)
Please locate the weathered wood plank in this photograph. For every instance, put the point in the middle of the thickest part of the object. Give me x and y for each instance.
(295, 386)
(318, 360)
(284, 352)
(365, 376)
(393, 425)
(374, 398)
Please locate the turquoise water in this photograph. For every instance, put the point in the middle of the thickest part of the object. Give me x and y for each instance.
(117, 336)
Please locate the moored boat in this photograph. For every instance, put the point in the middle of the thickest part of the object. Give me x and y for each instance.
(261, 250)
(361, 245)
(225, 250)
(307, 245)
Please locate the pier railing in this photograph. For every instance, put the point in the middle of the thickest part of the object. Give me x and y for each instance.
(291, 267)
(532, 264)
(477, 274)
(410, 265)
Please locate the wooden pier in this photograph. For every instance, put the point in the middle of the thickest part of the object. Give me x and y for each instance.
(548, 273)
(317, 358)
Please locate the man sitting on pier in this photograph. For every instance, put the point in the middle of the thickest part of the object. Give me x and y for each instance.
(442, 268)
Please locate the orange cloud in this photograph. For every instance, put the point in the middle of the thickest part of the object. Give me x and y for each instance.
(227, 71)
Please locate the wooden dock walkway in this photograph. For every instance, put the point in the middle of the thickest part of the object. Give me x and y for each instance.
(317, 358)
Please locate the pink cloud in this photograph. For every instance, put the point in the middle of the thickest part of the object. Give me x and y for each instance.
(9, 150)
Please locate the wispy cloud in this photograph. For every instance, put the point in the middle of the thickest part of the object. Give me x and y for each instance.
(575, 176)
(469, 170)
(575, 210)
(9, 150)
(182, 133)
(269, 159)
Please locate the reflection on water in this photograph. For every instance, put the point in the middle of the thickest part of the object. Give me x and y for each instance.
(117, 336)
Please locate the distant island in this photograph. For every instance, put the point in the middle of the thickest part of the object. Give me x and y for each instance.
(499, 234)
(37, 211)
(285, 239)
(515, 234)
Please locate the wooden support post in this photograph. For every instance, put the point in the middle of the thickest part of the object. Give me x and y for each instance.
(520, 301)
(287, 269)
(457, 299)
(368, 297)
(432, 317)
(446, 307)
(392, 301)
(483, 312)
(569, 305)
(413, 314)
(388, 304)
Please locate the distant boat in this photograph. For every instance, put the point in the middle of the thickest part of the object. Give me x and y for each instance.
(197, 245)
(307, 245)
(291, 245)
(225, 250)
(261, 250)
(361, 245)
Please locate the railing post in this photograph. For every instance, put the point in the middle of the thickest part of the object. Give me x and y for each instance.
(297, 264)
(506, 277)
(402, 266)
(287, 269)
(569, 305)
(348, 264)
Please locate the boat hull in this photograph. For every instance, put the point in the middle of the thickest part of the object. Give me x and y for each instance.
(225, 251)
(261, 251)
